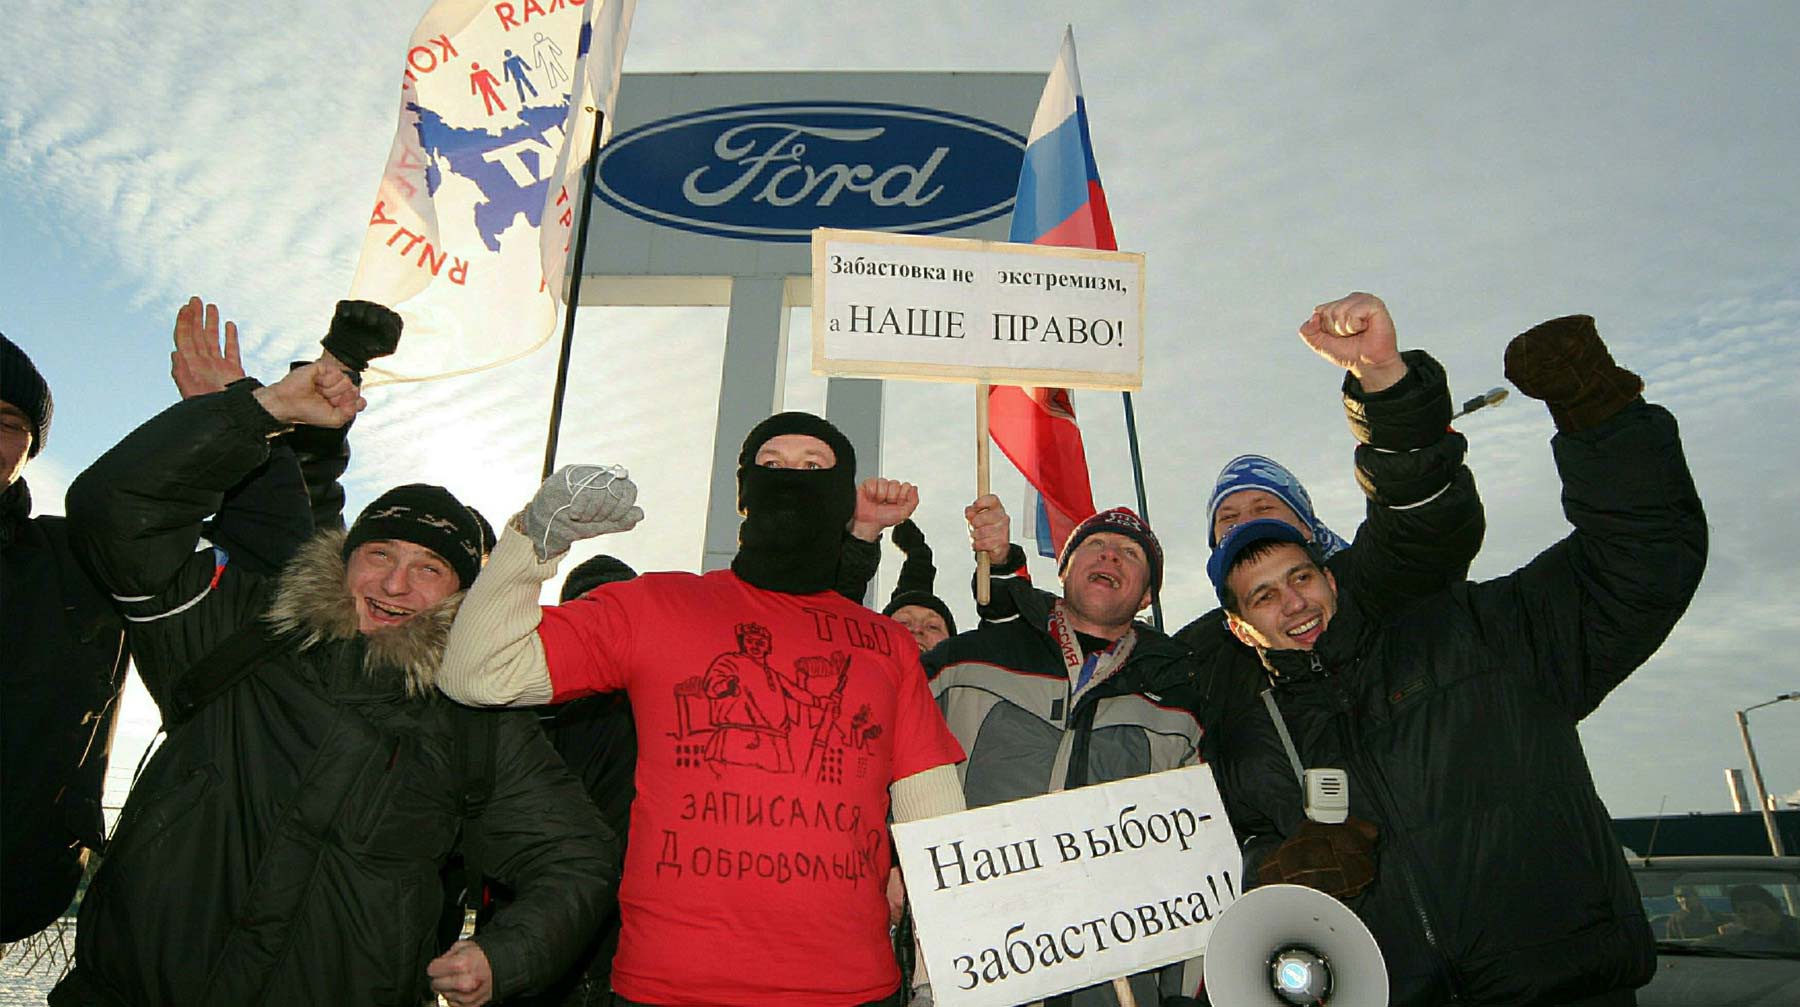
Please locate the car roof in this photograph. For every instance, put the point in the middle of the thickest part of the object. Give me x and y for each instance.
(1713, 863)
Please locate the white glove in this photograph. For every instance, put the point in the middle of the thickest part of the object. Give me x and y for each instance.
(579, 502)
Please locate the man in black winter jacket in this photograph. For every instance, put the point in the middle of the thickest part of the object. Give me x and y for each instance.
(64, 665)
(1423, 522)
(284, 843)
(1477, 849)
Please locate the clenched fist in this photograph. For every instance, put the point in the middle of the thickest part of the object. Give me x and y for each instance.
(319, 394)
(882, 504)
(579, 502)
(1357, 334)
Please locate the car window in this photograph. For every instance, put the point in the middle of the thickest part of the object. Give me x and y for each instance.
(1756, 911)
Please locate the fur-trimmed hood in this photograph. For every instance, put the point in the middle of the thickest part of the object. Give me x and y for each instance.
(311, 603)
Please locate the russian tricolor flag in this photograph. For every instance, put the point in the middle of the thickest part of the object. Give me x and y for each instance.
(1059, 202)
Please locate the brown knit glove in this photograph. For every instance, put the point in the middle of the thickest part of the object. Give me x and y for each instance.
(1564, 363)
(1338, 860)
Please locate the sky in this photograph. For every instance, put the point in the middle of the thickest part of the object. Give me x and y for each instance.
(1481, 169)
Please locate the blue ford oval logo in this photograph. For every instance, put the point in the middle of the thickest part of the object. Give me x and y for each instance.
(774, 171)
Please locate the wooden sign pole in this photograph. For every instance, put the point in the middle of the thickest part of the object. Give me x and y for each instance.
(1122, 990)
(982, 592)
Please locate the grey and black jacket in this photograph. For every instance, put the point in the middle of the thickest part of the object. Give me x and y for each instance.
(1006, 694)
(284, 844)
(1498, 877)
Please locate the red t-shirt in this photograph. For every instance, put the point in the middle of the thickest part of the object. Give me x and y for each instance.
(769, 728)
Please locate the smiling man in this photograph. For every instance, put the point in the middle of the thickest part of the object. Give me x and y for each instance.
(287, 837)
(1477, 849)
(1072, 690)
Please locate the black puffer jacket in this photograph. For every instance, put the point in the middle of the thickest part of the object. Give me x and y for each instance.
(64, 662)
(284, 845)
(1498, 878)
(1423, 524)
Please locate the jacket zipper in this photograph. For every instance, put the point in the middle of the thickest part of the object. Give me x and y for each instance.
(1383, 797)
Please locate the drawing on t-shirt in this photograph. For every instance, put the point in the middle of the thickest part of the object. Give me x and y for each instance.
(751, 713)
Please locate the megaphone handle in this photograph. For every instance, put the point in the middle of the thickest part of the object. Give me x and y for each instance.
(1122, 990)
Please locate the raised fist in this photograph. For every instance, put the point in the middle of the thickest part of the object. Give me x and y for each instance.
(1357, 334)
(1565, 364)
(881, 504)
(318, 394)
(907, 536)
(361, 331)
(579, 502)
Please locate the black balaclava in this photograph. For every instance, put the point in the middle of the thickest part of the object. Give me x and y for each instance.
(794, 519)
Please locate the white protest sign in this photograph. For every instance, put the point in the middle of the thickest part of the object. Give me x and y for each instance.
(1020, 901)
(951, 309)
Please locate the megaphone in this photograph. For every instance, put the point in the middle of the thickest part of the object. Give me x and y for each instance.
(1287, 945)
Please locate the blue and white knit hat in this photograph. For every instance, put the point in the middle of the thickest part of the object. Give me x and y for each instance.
(1256, 472)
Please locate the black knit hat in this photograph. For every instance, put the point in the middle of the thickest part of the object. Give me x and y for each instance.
(23, 387)
(428, 516)
(1119, 521)
(798, 423)
(923, 599)
(592, 573)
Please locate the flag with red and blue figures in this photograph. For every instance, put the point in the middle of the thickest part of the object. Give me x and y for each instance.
(1060, 202)
(471, 181)
(599, 58)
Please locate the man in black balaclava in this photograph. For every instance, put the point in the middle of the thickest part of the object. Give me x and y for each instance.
(797, 492)
(756, 691)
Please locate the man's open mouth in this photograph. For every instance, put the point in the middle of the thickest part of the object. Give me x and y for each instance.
(387, 613)
(1306, 627)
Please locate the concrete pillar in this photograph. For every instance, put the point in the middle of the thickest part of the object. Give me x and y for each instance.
(751, 383)
(854, 405)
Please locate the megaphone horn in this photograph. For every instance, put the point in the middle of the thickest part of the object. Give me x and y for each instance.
(1288, 945)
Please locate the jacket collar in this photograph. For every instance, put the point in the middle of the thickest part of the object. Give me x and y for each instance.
(1035, 607)
(15, 510)
(312, 604)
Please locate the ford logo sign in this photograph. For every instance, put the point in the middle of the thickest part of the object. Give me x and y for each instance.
(776, 170)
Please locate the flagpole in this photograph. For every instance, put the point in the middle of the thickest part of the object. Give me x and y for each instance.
(983, 593)
(1137, 475)
(568, 336)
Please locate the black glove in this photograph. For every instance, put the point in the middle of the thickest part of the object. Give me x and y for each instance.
(1564, 363)
(362, 331)
(1338, 860)
(908, 536)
